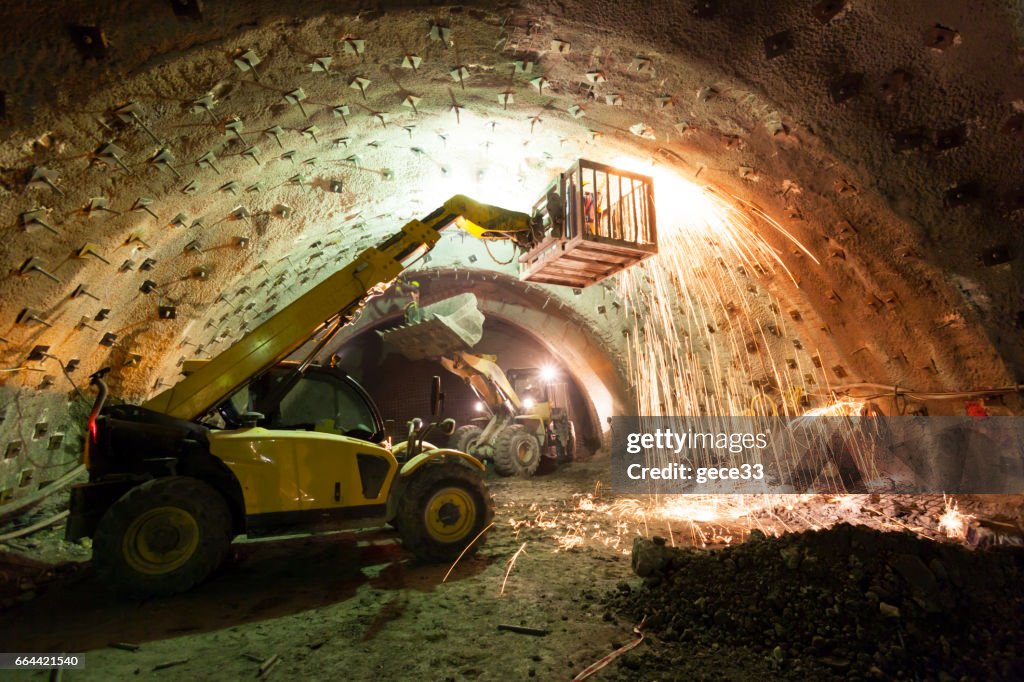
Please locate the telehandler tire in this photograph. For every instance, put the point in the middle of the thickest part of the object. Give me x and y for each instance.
(443, 508)
(516, 451)
(162, 537)
(464, 439)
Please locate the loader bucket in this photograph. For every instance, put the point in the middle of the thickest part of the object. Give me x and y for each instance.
(447, 326)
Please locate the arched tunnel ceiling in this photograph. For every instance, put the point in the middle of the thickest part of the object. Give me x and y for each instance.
(887, 139)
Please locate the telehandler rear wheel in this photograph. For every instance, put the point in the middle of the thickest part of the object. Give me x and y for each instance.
(162, 537)
(516, 451)
(465, 438)
(443, 508)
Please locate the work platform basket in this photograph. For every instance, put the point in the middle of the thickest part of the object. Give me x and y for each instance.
(598, 220)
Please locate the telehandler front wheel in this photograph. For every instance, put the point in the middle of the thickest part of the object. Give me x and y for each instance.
(443, 508)
(162, 537)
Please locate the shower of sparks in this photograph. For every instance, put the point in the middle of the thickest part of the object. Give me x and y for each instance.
(463, 552)
(511, 563)
(706, 337)
(952, 521)
(696, 307)
(593, 521)
(845, 407)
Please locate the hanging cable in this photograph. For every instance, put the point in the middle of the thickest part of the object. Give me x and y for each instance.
(895, 392)
(26, 530)
(488, 247)
(20, 503)
(64, 371)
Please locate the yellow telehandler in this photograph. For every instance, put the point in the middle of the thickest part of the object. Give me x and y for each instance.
(250, 443)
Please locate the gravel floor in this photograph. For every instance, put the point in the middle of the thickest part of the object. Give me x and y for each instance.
(354, 605)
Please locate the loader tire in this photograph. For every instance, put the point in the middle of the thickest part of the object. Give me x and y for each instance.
(162, 537)
(516, 451)
(465, 438)
(443, 509)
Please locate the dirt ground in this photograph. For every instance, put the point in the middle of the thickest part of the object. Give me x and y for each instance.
(353, 606)
(350, 605)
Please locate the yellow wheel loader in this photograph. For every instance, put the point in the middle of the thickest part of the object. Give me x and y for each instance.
(249, 444)
(527, 422)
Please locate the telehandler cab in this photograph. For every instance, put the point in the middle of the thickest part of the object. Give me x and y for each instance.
(251, 444)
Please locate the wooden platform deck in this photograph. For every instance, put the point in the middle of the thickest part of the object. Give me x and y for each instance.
(581, 261)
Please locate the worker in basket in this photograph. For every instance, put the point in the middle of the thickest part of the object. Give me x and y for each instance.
(413, 312)
(592, 210)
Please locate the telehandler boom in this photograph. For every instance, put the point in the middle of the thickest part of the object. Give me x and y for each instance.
(332, 302)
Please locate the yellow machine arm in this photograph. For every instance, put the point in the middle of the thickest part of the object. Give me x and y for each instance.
(486, 378)
(335, 300)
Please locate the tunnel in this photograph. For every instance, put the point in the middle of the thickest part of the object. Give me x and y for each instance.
(277, 399)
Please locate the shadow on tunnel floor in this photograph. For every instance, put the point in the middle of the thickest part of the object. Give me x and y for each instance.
(259, 581)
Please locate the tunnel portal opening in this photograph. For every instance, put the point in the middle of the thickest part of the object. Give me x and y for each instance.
(401, 387)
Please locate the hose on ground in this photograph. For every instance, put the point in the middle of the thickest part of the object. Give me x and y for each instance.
(41, 494)
(34, 527)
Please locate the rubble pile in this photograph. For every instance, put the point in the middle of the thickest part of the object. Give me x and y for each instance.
(849, 602)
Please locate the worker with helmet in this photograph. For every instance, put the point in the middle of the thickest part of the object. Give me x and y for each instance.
(591, 207)
(413, 312)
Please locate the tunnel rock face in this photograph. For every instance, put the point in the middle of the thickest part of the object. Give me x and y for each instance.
(173, 173)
